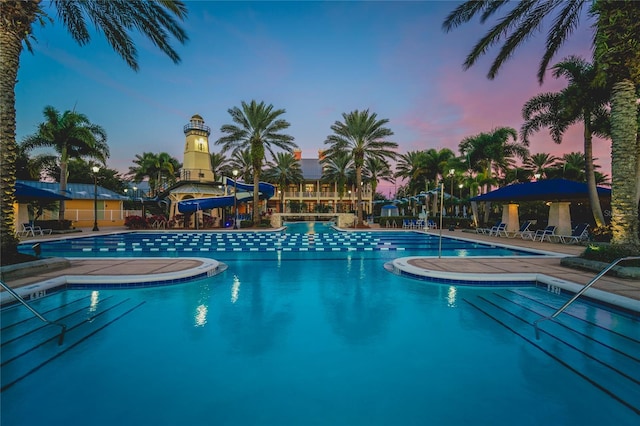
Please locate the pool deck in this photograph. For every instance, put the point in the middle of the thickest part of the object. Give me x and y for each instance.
(115, 269)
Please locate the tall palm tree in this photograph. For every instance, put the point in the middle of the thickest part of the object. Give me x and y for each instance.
(158, 20)
(618, 63)
(258, 128)
(362, 135)
(338, 169)
(581, 100)
(71, 135)
(284, 170)
(540, 163)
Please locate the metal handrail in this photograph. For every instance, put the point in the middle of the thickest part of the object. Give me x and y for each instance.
(36, 313)
(578, 294)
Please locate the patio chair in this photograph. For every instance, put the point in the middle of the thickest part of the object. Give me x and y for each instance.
(524, 229)
(579, 233)
(545, 234)
(431, 224)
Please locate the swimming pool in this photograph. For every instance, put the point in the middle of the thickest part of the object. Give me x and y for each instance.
(330, 337)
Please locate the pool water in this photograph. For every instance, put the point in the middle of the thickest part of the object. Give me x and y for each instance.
(218, 245)
(310, 227)
(317, 338)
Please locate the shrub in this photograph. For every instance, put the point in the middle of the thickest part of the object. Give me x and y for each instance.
(607, 253)
(136, 222)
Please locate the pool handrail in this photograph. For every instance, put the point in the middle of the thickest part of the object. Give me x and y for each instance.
(36, 313)
(578, 294)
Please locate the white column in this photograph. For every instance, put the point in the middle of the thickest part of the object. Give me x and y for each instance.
(560, 217)
(510, 217)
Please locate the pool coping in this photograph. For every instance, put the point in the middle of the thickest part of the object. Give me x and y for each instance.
(401, 266)
(206, 268)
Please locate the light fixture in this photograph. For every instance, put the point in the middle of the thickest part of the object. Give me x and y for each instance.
(95, 169)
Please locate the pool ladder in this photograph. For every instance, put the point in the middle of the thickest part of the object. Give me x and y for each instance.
(578, 294)
(36, 313)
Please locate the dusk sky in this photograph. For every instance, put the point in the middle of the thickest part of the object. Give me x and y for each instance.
(316, 60)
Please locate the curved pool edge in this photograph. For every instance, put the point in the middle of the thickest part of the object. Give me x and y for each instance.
(401, 266)
(206, 268)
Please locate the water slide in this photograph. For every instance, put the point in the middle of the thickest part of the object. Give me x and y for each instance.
(244, 193)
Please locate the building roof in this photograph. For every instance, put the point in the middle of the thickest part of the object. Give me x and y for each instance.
(76, 191)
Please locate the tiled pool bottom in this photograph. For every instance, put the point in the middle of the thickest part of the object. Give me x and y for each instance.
(202, 243)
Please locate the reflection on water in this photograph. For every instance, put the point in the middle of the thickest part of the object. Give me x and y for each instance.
(235, 289)
(451, 297)
(201, 316)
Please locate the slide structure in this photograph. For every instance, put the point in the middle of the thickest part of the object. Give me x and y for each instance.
(244, 193)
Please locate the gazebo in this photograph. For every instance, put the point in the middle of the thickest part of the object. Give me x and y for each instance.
(557, 192)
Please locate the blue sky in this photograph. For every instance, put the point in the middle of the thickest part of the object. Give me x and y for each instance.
(316, 60)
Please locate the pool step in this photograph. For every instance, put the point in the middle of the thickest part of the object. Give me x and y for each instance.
(33, 345)
(603, 356)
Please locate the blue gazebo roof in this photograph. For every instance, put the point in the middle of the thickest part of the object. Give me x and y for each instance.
(542, 190)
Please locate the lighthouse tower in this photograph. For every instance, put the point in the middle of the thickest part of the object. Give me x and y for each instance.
(197, 161)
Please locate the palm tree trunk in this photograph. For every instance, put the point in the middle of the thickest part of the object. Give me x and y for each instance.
(624, 164)
(64, 160)
(10, 48)
(594, 200)
(359, 197)
(256, 197)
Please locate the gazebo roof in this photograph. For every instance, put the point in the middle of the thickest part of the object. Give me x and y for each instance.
(542, 190)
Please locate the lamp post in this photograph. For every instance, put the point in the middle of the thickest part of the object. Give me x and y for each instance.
(460, 186)
(235, 198)
(95, 169)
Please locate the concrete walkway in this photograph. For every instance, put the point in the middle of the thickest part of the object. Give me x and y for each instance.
(473, 266)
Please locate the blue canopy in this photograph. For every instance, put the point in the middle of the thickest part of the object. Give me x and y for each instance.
(542, 190)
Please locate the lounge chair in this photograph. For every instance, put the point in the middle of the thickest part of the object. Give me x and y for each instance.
(497, 230)
(579, 233)
(524, 229)
(545, 234)
(486, 231)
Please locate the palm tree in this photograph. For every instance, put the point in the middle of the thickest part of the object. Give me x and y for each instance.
(284, 171)
(337, 169)
(160, 169)
(241, 161)
(71, 135)
(31, 168)
(257, 129)
(617, 61)
(410, 166)
(540, 163)
(581, 100)
(376, 169)
(492, 153)
(116, 20)
(220, 164)
(362, 135)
